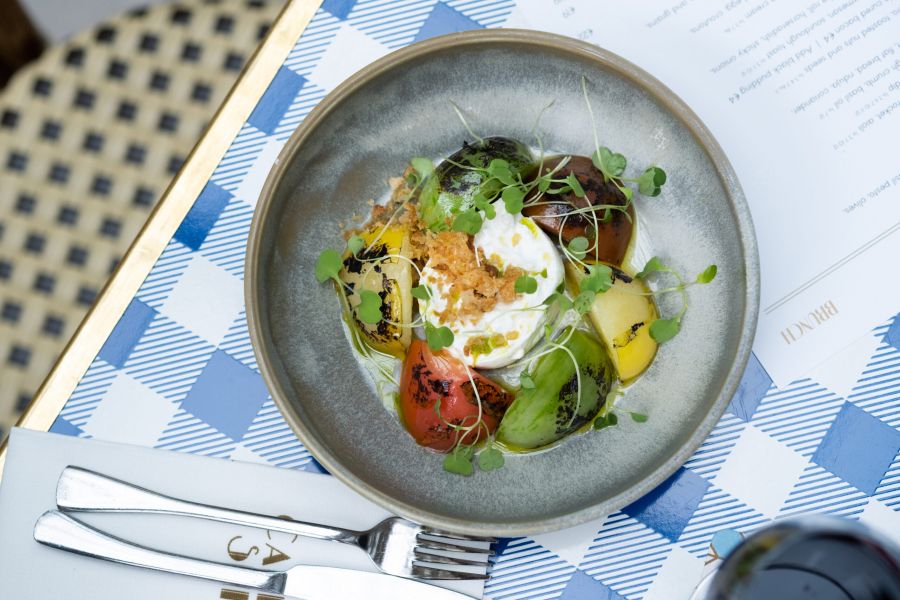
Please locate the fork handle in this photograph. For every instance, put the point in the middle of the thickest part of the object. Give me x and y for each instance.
(57, 530)
(87, 491)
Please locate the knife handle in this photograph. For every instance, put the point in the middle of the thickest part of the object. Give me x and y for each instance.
(87, 491)
(57, 530)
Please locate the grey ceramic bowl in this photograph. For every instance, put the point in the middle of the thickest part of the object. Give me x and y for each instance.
(365, 131)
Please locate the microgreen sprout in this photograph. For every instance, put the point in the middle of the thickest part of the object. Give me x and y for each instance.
(578, 246)
(465, 123)
(355, 244)
(329, 265)
(612, 164)
(490, 459)
(651, 181)
(421, 292)
(608, 416)
(583, 301)
(526, 284)
(438, 337)
(459, 460)
(422, 169)
(708, 274)
(663, 330)
(468, 221)
(513, 199)
(369, 309)
(608, 420)
(598, 280)
(575, 185)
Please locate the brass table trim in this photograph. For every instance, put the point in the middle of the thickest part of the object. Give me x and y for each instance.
(162, 223)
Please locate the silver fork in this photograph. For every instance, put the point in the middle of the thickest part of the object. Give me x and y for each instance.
(396, 546)
(306, 582)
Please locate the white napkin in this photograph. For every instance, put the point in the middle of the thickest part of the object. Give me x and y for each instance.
(35, 460)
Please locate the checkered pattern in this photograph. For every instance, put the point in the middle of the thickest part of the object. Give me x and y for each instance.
(178, 371)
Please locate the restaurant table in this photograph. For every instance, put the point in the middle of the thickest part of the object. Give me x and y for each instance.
(164, 358)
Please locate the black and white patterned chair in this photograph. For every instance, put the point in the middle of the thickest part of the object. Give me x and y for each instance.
(90, 136)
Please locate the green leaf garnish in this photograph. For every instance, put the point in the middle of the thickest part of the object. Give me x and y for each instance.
(583, 302)
(422, 166)
(468, 221)
(499, 169)
(513, 199)
(610, 163)
(638, 417)
(599, 280)
(328, 265)
(575, 185)
(654, 265)
(663, 330)
(460, 461)
(608, 420)
(578, 246)
(526, 381)
(421, 292)
(560, 190)
(490, 459)
(526, 284)
(369, 309)
(708, 274)
(438, 337)
(543, 184)
(651, 181)
(483, 204)
(355, 244)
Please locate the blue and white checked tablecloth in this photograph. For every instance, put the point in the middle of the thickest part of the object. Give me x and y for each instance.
(178, 371)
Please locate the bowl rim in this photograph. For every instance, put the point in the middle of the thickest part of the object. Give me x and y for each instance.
(549, 41)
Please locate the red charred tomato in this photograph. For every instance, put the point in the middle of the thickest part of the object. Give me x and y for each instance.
(429, 377)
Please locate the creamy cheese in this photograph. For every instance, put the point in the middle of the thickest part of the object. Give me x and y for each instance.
(507, 240)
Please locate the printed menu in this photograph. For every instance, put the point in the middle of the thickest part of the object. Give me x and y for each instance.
(804, 97)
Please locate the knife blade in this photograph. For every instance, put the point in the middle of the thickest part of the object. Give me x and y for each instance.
(333, 583)
(302, 582)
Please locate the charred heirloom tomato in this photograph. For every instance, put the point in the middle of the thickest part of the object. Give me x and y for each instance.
(609, 240)
(437, 398)
(500, 287)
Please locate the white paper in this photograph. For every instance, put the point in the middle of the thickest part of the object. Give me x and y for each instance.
(804, 97)
(35, 460)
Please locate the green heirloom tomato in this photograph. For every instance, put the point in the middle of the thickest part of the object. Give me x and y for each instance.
(453, 186)
(553, 408)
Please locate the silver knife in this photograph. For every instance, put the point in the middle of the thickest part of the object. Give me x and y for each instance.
(304, 582)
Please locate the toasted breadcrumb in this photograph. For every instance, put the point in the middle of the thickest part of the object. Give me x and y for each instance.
(477, 285)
